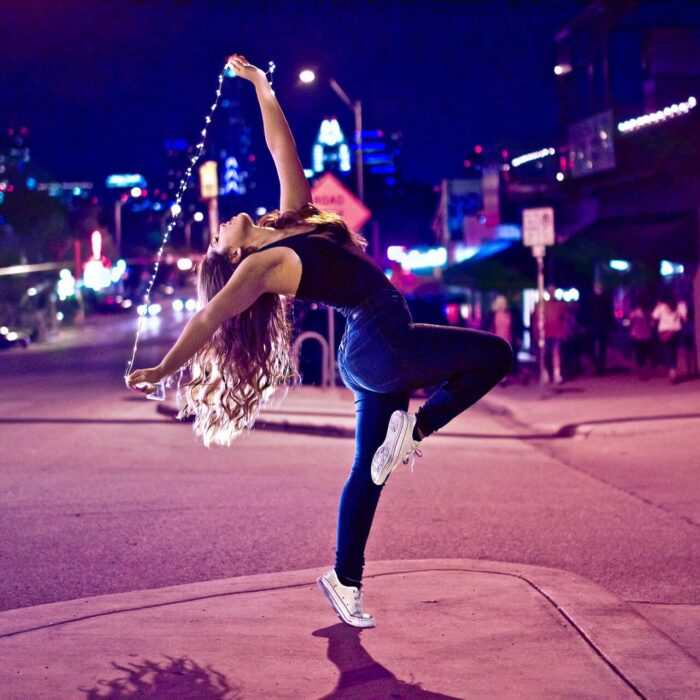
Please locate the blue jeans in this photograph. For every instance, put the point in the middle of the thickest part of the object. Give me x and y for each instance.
(383, 356)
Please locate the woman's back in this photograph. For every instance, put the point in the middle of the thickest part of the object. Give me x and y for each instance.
(334, 271)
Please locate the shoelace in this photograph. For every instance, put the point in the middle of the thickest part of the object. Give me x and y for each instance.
(411, 453)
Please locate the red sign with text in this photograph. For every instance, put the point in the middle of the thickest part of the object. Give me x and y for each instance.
(329, 194)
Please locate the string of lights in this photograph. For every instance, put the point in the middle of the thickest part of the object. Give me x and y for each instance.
(661, 115)
(534, 155)
(175, 212)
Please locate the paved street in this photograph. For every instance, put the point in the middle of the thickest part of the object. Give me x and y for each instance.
(102, 494)
(87, 454)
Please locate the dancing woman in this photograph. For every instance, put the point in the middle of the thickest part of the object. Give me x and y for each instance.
(238, 344)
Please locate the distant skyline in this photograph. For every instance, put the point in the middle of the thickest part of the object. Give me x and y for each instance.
(102, 84)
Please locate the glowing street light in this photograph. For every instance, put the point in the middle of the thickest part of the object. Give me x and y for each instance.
(198, 217)
(307, 76)
(134, 192)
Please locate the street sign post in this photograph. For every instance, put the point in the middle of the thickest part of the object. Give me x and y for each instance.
(538, 226)
(538, 233)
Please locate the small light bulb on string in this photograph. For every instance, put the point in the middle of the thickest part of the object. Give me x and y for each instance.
(175, 212)
(271, 71)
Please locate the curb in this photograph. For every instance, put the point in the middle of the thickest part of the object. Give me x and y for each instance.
(330, 430)
(286, 426)
(530, 432)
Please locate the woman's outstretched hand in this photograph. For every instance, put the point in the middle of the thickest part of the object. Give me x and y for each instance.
(145, 380)
(240, 66)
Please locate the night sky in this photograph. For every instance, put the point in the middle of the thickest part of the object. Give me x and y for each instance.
(102, 84)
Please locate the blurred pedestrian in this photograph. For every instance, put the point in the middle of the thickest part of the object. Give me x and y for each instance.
(601, 322)
(571, 344)
(238, 344)
(502, 322)
(669, 315)
(640, 330)
(688, 343)
(554, 333)
(518, 330)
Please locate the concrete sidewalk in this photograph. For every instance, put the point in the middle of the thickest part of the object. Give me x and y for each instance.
(597, 403)
(446, 629)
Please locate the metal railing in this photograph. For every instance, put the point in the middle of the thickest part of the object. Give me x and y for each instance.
(326, 376)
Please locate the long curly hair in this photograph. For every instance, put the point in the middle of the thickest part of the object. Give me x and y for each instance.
(249, 357)
(309, 214)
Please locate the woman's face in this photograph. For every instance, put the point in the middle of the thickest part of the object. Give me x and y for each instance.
(233, 234)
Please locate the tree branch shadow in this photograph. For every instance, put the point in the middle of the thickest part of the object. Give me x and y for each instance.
(174, 679)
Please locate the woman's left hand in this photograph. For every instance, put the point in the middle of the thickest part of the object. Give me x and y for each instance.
(145, 380)
(246, 70)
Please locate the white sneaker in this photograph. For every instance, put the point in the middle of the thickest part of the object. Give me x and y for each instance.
(346, 600)
(398, 446)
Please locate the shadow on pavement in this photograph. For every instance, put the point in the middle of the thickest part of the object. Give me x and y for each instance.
(168, 680)
(360, 675)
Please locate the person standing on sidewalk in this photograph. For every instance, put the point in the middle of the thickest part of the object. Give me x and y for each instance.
(601, 322)
(554, 333)
(669, 315)
(640, 329)
(687, 342)
(502, 322)
(238, 344)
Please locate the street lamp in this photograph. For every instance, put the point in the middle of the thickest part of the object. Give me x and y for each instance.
(118, 224)
(198, 217)
(134, 193)
(308, 76)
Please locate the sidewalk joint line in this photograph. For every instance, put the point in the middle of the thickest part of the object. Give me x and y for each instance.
(608, 662)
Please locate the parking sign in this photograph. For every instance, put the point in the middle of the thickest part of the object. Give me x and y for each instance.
(538, 226)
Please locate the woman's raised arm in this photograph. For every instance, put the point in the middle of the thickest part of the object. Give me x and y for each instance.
(294, 187)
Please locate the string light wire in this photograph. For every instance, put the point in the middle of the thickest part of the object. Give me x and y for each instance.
(176, 212)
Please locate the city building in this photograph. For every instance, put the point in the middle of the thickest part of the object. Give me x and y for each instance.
(381, 155)
(619, 172)
(230, 144)
(628, 88)
(330, 151)
(15, 160)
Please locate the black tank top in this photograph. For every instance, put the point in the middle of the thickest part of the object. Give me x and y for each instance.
(334, 270)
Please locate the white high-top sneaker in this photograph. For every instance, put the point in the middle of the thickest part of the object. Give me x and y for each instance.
(398, 446)
(346, 600)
